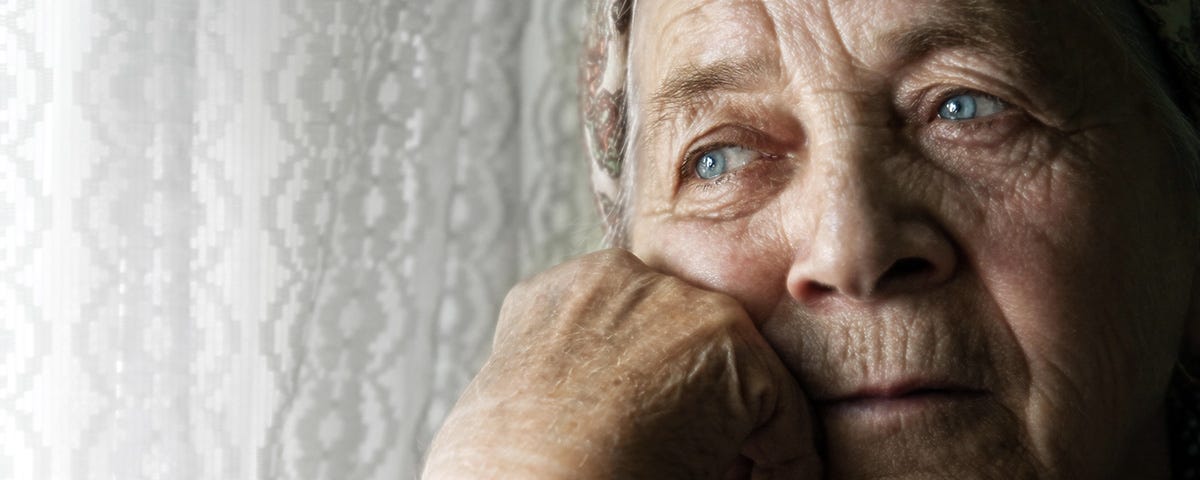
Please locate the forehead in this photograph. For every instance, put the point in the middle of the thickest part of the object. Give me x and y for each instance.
(803, 38)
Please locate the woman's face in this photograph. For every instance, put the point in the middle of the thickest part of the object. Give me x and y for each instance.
(957, 222)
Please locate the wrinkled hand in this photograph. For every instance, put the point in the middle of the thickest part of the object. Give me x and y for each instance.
(602, 367)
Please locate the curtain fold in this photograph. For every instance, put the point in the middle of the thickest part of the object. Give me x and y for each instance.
(269, 239)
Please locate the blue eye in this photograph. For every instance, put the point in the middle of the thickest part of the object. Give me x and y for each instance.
(969, 106)
(721, 161)
(711, 165)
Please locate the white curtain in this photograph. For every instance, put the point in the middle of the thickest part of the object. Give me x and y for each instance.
(268, 238)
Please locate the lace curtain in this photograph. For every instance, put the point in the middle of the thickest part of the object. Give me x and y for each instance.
(268, 239)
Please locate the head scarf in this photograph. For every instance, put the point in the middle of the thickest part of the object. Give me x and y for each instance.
(603, 87)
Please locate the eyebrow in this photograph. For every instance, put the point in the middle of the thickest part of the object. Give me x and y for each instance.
(909, 45)
(691, 86)
(1000, 31)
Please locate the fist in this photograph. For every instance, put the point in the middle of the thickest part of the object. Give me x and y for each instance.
(602, 367)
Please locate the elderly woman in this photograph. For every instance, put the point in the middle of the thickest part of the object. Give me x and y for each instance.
(866, 239)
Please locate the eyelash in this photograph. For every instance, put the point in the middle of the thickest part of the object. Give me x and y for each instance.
(934, 108)
(692, 180)
(687, 169)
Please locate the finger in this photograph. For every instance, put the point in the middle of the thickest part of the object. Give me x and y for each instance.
(785, 447)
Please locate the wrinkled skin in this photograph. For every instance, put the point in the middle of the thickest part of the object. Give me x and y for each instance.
(604, 368)
(1002, 296)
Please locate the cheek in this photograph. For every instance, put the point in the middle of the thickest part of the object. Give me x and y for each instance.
(1084, 263)
(1083, 276)
(744, 259)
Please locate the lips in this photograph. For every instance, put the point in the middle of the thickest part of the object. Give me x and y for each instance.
(902, 390)
(885, 403)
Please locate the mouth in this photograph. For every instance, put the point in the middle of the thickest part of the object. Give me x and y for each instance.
(885, 404)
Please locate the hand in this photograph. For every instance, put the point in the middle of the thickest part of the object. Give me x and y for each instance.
(602, 367)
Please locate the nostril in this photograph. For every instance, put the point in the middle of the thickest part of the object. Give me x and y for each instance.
(812, 290)
(908, 267)
(819, 288)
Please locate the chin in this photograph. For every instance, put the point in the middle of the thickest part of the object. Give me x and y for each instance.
(925, 434)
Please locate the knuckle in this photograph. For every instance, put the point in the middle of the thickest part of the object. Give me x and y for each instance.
(521, 294)
(724, 310)
(722, 303)
(616, 256)
(606, 270)
(591, 268)
(522, 304)
(568, 287)
(710, 311)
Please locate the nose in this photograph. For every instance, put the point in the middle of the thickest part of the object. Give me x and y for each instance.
(869, 239)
